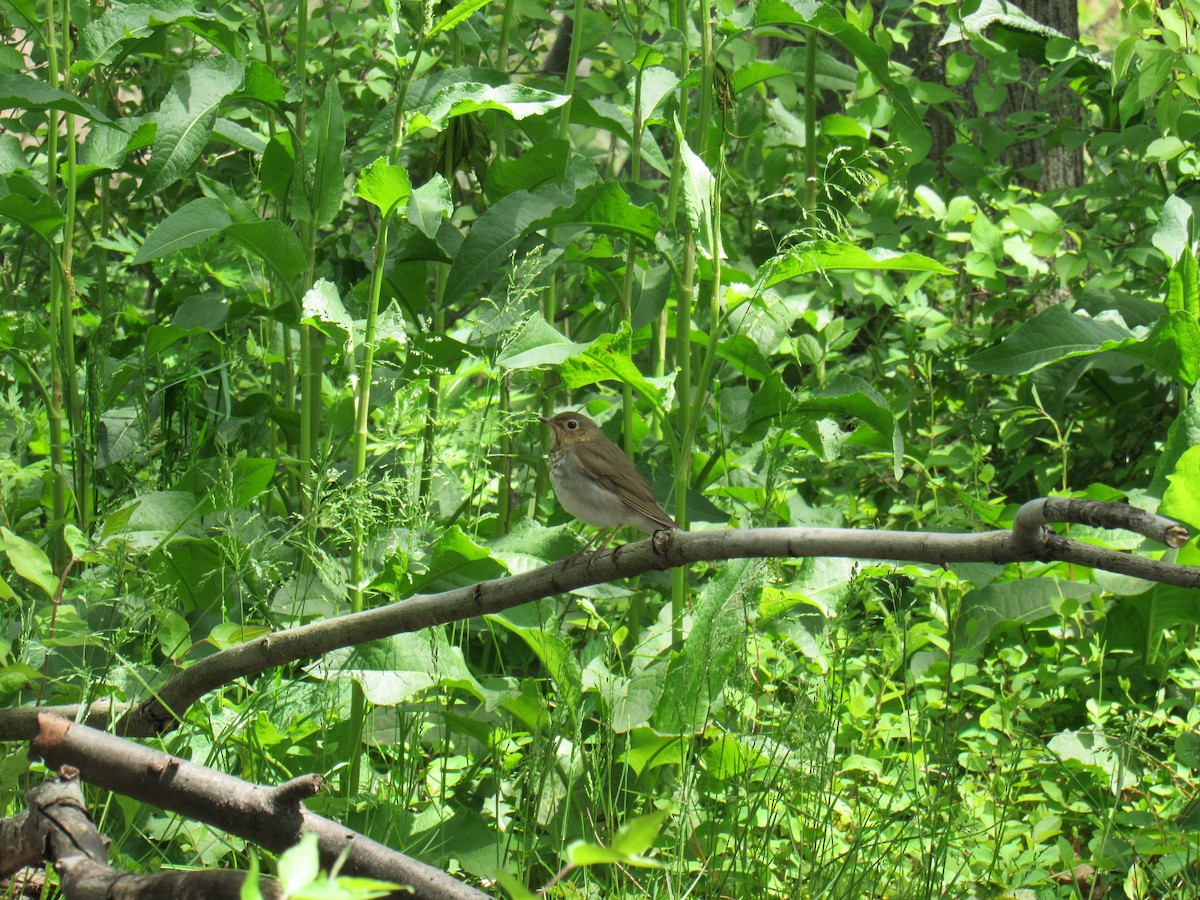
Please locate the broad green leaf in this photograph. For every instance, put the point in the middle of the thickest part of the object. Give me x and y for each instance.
(322, 308)
(228, 483)
(12, 154)
(849, 395)
(558, 658)
(1183, 285)
(517, 100)
(604, 206)
(543, 163)
(608, 359)
(383, 185)
(228, 634)
(185, 119)
(1054, 334)
(1172, 345)
(538, 343)
(459, 13)
(158, 517)
(29, 561)
(42, 216)
(657, 83)
(454, 561)
(325, 144)
(195, 223)
(394, 670)
(273, 243)
(496, 235)
(23, 92)
(1095, 750)
(277, 169)
(830, 256)
(103, 39)
(697, 676)
(698, 189)
(1172, 234)
(430, 205)
(1028, 600)
(1182, 498)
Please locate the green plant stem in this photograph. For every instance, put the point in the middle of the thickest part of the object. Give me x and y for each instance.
(810, 121)
(635, 166)
(362, 425)
(58, 299)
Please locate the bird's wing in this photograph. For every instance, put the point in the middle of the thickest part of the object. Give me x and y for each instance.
(618, 474)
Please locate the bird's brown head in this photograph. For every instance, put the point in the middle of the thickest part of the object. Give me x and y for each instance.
(572, 428)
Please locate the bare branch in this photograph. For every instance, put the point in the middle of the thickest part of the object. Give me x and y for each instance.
(271, 818)
(1030, 540)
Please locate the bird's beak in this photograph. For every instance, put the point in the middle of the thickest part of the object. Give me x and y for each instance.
(544, 420)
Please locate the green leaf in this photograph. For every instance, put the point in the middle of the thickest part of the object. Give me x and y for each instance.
(1182, 498)
(1172, 234)
(1172, 346)
(557, 656)
(458, 14)
(496, 235)
(455, 561)
(538, 343)
(325, 143)
(394, 670)
(517, 100)
(228, 484)
(699, 187)
(607, 358)
(383, 185)
(41, 216)
(829, 256)
(29, 561)
(657, 83)
(697, 676)
(273, 243)
(105, 38)
(23, 92)
(852, 396)
(543, 163)
(604, 206)
(1183, 285)
(430, 205)
(322, 308)
(1019, 602)
(1048, 337)
(185, 120)
(156, 518)
(195, 223)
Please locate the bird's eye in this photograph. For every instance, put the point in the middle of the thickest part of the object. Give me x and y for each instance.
(571, 423)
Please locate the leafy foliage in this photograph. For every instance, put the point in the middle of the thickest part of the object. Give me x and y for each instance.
(290, 285)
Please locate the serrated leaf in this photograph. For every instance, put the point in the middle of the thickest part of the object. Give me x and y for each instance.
(538, 343)
(429, 206)
(186, 118)
(830, 256)
(457, 15)
(517, 100)
(195, 223)
(23, 92)
(383, 185)
(273, 243)
(326, 141)
(496, 235)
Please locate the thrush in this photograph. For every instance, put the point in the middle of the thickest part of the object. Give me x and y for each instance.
(595, 481)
